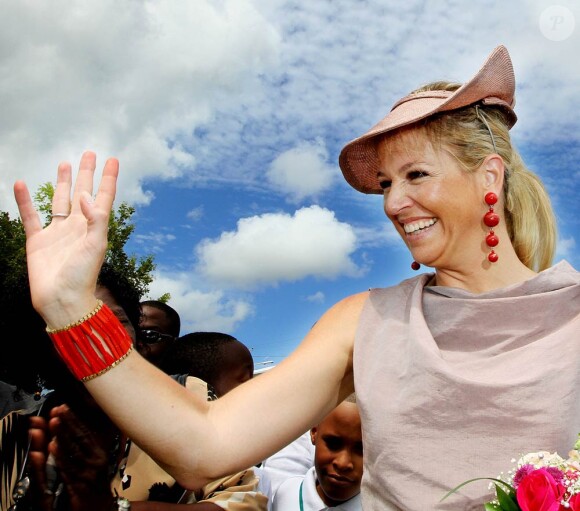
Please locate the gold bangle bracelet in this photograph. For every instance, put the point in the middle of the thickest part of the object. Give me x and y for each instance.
(108, 368)
(79, 322)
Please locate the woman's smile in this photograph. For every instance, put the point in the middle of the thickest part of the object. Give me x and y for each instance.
(413, 228)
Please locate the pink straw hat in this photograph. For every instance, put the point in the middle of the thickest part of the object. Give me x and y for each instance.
(494, 84)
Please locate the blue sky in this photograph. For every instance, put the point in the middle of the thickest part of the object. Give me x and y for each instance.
(228, 118)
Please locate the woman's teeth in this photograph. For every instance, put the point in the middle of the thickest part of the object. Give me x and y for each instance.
(417, 226)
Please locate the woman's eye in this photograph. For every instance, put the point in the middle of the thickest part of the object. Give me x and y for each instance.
(416, 174)
(385, 185)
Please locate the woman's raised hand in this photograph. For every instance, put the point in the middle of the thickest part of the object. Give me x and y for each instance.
(65, 257)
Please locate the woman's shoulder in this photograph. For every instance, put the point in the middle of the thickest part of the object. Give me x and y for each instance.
(405, 286)
(348, 309)
(352, 305)
(336, 328)
(354, 300)
(563, 267)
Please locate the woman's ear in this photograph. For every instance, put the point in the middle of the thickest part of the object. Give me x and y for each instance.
(493, 172)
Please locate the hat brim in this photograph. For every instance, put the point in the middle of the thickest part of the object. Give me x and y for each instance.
(494, 84)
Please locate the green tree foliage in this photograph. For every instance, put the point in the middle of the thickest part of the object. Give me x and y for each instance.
(138, 270)
(12, 255)
(14, 298)
(164, 298)
(43, 200)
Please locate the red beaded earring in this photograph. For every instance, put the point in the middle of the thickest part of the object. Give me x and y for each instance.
(415, 265)
(491, 219)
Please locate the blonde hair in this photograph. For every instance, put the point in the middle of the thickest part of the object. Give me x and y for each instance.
(471, 134)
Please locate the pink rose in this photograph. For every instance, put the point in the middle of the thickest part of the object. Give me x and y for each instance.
(539, 491)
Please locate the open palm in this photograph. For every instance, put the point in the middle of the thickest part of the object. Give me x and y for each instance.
(64, 258)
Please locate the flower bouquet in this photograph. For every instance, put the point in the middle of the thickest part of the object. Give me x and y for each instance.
(540, 481)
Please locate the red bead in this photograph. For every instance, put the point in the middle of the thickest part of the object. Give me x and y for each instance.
(493, 257)
(415, 265)
(491, 239)
(490, 198)
(491, 219)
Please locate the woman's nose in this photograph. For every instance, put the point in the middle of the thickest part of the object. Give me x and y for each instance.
(396, 199)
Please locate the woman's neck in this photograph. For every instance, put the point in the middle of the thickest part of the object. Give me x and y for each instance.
(485, 276)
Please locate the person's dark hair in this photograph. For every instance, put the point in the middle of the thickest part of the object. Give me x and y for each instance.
(126, 294)
(199, 354)
(171, 314)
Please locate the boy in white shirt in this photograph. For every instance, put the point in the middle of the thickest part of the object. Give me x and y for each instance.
(334, 481)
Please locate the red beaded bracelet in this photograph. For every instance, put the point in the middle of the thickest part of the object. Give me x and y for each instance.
(92, 345)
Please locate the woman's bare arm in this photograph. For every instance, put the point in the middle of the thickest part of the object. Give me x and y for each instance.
(197, 441)
(194, 440)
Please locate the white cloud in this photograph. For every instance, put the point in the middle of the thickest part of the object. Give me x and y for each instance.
(200, 310)
(276, 247)
(195, 214)
(139, 79)
(302, 171)
(377, 236)
(125, 79)
(154, 241)
(317, 297)
(565, 248)
(342, 66)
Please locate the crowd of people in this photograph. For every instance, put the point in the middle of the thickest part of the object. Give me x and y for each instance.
(454, 369)
(60, 451)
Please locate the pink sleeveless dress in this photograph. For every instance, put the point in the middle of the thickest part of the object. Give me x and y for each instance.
(452, 386)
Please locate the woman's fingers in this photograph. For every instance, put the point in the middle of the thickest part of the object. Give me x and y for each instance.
(97, 211)
(64, 259)
(108, 185)
(61, 206)
(81, 200)
(84, 181)
(28, 214)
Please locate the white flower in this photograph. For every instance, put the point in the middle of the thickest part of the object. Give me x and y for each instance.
(541, 459)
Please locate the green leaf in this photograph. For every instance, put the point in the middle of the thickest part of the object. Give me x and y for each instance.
(454, 490)
(164, 298)
(138, 270)
(507, 500)
(506, 495)
(43, 201)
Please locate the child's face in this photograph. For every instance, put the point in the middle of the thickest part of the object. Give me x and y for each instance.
(338, 454)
